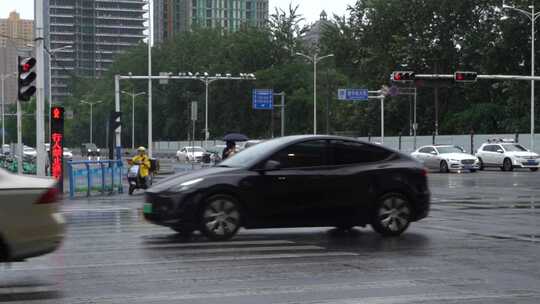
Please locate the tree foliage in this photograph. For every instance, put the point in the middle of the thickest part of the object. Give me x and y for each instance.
(378, 37)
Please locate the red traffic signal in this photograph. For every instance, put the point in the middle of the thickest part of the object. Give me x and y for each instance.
(26, 77)
(402, 76)
(465, 76)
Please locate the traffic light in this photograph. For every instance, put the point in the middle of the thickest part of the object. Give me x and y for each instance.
(465, 76)
(26, 77)
(115, 121)
(402, 76)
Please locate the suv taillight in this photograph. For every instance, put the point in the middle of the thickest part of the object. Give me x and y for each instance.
(49, 197)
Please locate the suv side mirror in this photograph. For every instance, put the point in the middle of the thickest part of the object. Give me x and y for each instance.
(500, 151)
(433, 153)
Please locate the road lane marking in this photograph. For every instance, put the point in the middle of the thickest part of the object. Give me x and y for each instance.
(196, 260)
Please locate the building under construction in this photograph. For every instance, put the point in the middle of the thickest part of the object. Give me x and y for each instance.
(85, 36)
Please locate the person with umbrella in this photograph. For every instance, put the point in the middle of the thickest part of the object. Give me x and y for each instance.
(231, 140)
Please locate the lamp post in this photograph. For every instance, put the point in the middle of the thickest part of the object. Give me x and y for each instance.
(91, 114)
(533, 16)
(315, 59)
(50, 54)
(133, 95)
(3, 77)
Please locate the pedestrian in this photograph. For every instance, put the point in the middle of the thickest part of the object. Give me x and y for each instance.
(229, 151)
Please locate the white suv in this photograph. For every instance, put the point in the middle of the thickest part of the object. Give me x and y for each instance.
(507, 155)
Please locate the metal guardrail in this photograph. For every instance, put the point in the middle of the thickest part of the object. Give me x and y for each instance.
(96, 175)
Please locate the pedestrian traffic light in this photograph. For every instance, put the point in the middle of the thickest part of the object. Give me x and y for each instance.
(465, 76)
(26, 77)
(402, 76)
(115, 121)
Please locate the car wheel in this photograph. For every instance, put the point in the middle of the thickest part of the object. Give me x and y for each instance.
(444, 167)
(533, 169)
(507, 165)
(472, 170)
(220, 218)
(481, 164)
(392, 215)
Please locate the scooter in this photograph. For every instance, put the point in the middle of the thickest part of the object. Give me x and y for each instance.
(135, 180)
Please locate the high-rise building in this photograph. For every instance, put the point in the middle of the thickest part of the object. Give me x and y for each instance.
(175, 16)
(85, 36)
(16, 35)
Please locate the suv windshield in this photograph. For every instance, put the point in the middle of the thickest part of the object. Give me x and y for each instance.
(514, 148)
(452, 149)
(196, 149)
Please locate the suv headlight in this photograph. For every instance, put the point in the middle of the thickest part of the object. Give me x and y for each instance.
(454, 160)
(186, 185)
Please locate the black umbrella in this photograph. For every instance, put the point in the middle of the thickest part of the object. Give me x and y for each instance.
(235, 137)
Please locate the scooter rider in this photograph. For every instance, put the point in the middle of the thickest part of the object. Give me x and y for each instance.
(143, 161)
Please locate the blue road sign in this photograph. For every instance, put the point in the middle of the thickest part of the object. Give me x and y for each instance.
(353, 94)
(263, 99)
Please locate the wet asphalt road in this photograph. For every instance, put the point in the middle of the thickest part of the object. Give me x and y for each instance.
(481, 244)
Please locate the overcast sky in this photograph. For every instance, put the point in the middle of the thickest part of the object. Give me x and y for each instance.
(311, 9)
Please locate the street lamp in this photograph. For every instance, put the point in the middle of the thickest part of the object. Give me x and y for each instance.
(315, 59)
(50, 54)
(3, 77)
(133, 95)
(532, 17)
(91, 114)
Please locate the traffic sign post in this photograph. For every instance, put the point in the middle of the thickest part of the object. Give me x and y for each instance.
(353, 94)
(263, 99)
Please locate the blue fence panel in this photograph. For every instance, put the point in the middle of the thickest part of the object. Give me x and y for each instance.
(95, 176)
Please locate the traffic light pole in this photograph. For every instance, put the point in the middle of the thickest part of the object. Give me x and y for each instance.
(19, 138)
(209, 79)
(40, 92)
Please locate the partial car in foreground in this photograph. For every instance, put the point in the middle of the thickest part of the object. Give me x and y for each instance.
(507, 155)
(446, 158)
(297, 181)
(30, 221)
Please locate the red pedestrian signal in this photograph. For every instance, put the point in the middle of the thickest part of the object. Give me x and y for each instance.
(402, 76)
(465, 76)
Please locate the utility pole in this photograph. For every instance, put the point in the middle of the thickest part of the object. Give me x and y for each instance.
(3, 78)
(150, 78)
(315, 59)
(40, 93)
(91, 115)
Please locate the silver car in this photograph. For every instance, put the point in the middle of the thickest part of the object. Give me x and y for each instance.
(446, 158)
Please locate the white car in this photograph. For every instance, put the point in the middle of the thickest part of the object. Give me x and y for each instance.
(191, 154)
(507, 156)
(30, 221)
(446, 158)
(29, 152)
(68, 154)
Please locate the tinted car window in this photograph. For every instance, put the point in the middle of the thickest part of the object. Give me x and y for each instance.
(349, 152)
(427, 150)
(307, 154)
(489, 148)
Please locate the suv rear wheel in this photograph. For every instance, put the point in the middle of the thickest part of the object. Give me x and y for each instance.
(392, 214)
